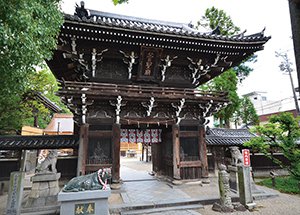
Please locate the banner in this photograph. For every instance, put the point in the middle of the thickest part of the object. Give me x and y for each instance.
(147, 136)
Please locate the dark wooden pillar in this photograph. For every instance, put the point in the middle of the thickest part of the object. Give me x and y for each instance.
(295, 22)
(143, 152)
(116, 133)
(83, 149)
(215, 159)
(203, 152)
(147, 153)
(156, 157)
(176, 150)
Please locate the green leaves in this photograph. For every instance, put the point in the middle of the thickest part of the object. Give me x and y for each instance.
(28, 34)
(228, 81)
(281, 134)
(214, 17)
(119, 1)
(246, 112)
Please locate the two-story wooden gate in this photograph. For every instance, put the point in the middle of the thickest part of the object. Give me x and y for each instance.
(119, 71)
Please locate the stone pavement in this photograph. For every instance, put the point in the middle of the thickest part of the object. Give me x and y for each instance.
(142, 191)
(147, 194)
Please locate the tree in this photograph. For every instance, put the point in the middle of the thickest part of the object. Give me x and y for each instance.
(281, 134)
(246, 113)
(228, 81)
(214, 18)
(43, 82)
(28, 34)
(119, 1)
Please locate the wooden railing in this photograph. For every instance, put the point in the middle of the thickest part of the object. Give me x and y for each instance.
(136, 91)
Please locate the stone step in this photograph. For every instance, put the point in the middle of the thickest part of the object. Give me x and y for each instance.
(44, 210)
(151, 205)
(164, 209)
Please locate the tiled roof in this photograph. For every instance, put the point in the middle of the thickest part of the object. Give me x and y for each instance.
(147, 25)
(38, 142)
(214, 136)
(47, 102)
(227, 132)
(226, 141)
(224, 136)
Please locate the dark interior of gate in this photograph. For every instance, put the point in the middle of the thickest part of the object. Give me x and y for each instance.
(121, 72)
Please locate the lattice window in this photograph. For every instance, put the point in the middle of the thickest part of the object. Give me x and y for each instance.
(99, 150)
(189, 148)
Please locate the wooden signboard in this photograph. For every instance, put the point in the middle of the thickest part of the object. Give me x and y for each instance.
(149, 64)
(246, 157)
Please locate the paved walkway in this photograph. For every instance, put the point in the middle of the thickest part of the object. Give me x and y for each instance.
(139, 188)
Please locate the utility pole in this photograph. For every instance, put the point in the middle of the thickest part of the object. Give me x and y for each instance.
(285, 66)
(294, 92)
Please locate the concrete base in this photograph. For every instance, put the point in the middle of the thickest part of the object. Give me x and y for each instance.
(43, 194)
(251, 206)
(116, 186)
(222, 208)
(85, 202)
(235, 207)
(205, 180)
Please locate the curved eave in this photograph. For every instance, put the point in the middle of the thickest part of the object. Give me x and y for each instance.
(260, 39)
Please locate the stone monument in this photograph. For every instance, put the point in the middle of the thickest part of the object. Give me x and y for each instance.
(245, 192)
(15, 193)
(236, 160)
(242, 176)
(225, 197)
(45, 187)
(226, 204)
(86, 194)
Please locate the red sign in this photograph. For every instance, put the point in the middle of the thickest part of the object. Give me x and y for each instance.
(246, 157)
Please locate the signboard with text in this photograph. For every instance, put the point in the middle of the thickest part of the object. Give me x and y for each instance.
(246, 157)
(85, 209)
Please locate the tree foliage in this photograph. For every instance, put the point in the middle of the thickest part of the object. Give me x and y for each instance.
(214, 18)
(44, 82)
(28, 34)
(229, 80)
(246, 113)
(119, 1)
(281, 134)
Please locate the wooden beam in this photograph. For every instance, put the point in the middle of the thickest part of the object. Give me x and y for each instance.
(190, 164)
(176, 151)
(100, 133)
(188, 133)
(83, 149)
(202, 152)
(116, 133)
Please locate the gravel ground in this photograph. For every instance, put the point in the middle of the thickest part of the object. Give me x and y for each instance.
(283, 204)
(3, 201)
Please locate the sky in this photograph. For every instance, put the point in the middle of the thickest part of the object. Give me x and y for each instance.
(252, 16)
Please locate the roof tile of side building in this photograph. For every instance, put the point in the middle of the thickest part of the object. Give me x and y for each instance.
(162, 27)
(227, 137)
(38, 142)
(214, 137)
(226, 132)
